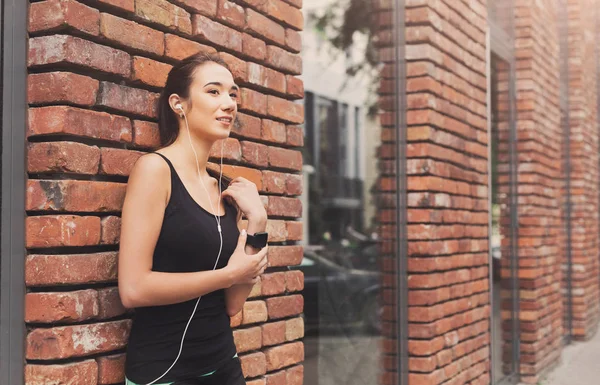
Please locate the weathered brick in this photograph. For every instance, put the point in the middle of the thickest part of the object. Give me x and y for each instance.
(61, 307)
(273, 131)
(61, 87)
(164, 13)
(294, 329)
(231, 14)
(254, 365)
(204, 7)
(273, 333)
(80, 122)
(76, 341)
(295, 375)
(284, 158)
(179, 48)
(265, 27)
(273, 284)
(295, 136)
(74, 195)
(232, 149)
(63, 230)
(248, 339)
(295, 87)
(284, 207)
(284, 355)
(254, 311)
(285, 109)
(251, 174)
(253, 101)
(293, 40)
(111, 228)
(151, 72)
(44, 270)
(266, 78)
(111, 369)
(146, 134)
(274, 182)
(125, 5)
(216, 33)
(281, 307)
(248, 126)
(77, 373)
(254, 154)
(293, 184)
(285, 255)
(236, 320)
(110, 303)
(277, 230)
(131, 34)
(128, 99)
(61, 49)
(286, 14)
(238, 67)
(277, 378)
(62, 157)
(253, 47)
(294, 280)
(63, 14)
(116, 161)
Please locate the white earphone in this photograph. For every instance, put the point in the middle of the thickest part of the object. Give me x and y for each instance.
(218, 220)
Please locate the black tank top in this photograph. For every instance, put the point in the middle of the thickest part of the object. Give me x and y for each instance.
(188, 242)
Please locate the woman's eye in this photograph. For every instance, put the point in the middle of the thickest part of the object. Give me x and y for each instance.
(233, 96)
(214, 92)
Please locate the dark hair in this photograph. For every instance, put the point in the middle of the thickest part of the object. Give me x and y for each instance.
(179, 81)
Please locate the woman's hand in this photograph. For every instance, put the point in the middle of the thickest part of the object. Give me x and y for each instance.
(244, 268)
(245, 195)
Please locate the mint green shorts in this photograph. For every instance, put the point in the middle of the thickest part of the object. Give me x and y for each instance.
(127, 382)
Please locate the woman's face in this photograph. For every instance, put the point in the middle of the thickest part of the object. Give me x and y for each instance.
(212, 106)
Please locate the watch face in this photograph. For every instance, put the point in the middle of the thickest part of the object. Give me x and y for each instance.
(258, 240)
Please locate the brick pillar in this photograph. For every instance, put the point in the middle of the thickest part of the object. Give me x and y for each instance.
(447, 192)
(95, 70)
(584, 166)
(539, 136)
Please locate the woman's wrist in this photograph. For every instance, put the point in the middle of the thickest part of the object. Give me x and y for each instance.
(257, 222)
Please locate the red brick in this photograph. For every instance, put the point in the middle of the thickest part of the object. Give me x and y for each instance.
(231, 14)
(63, 14)
(179, 48)
(76, 341)
(131, 34)
(111, 369)
(125, 5)
(254, 154)
(260, 381)
(45, 270)
(253, 101)
(285, 255)
(265, 27)
(56, 231)
(150, 71)
(61, 49)
(293, 40)
(61, 87)
(281, 307)
(274, 182)
(295, 3)
(116, 161)
(273, 284)
(204, 7)
(293, 184)
(254, 365)
(80, 373)
(294, 281)
(295, 136)
(247, 126)
(286, 14)
(284, 355)
(277, 230)
(295, 375)
(285, 109)
(273, 333)
(277, 378)
(254, 311)
(284, 207)
(294, 329)
(74, 195)
(284, 158)
(236, 320)
(146, 134)
(295, 87)
(266, 78)
(273, 131)
(111, 228)
(62, 157)
(61, 307)
(164, 13)
(75, 121)
(248, 339)
(128, 99)
(238, 67)
(216, 33)
(253, 47)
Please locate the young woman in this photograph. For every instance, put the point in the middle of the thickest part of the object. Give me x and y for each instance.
(183, 263)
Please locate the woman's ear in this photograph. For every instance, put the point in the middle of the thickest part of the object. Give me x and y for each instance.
(176, 104)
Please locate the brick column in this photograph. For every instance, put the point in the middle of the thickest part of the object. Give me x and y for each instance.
(95, 70)
(584, 166)
(539, 136)
(447, 192)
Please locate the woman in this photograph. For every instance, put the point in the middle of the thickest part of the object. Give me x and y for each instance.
(183, 263)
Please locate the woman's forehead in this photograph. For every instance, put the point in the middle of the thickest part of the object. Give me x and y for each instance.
(213, 73)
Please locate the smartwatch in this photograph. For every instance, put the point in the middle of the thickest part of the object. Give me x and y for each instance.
(258, 240)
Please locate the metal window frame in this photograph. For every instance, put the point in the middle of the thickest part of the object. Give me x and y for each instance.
(14, 109)
(501, 44)
(401, 194)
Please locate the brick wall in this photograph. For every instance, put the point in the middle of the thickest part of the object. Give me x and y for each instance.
(540, 180)
(447, 192)
(584, 166)
(95, 70)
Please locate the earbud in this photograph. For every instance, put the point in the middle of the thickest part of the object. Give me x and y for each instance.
(178, 106)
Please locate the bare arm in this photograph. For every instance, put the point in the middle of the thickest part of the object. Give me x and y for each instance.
(142, 217)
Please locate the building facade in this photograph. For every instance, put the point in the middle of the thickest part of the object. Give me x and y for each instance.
(430, 170)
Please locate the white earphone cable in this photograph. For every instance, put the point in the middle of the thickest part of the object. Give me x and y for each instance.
(217, 218)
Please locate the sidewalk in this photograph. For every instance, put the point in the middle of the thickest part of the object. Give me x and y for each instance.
(579, 365)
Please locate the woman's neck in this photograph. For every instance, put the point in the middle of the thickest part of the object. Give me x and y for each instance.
(202, 148)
